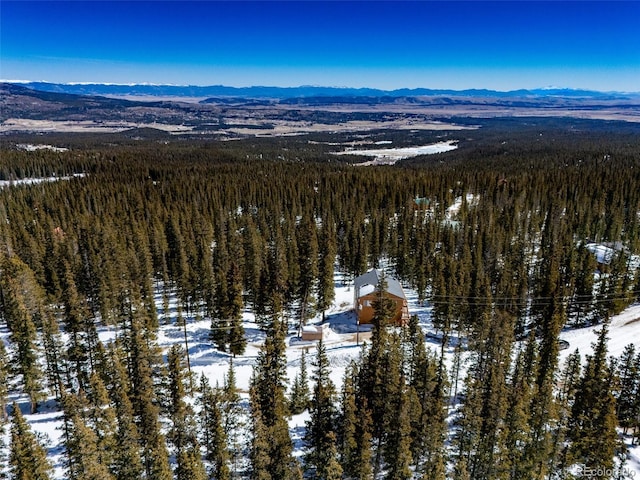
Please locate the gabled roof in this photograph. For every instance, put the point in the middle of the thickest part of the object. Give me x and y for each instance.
(372, 277)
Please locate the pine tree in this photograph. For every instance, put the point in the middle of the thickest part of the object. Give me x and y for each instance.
(308, 264)
(635, 408)
(260, 446)
(543, 410)
(326, 290)
(582, 308)
(398, 446)
(237, 340)
(332, 470)
(628, 373)
(54, 352)
(513, 463)
(103, 420)
(593, 418)
(320, 433)
(269, 409)
(567, 386)
(84, 458)
(141, 362)
(426, 397)
(127, 463)
(460, 470)
(27, 458)
(232, 416)
(21, 298)
(252, 246)
(381, 372)
(182, 434)
(484, 409)
(4, 383)
(299, 398)
(24, 336)
(4, 454)
(364, 455)
(348, 421)
(77, 322)
(213, 436)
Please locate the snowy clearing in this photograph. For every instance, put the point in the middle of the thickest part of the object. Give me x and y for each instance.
(32, 148)
(389, 156)
(34, 181)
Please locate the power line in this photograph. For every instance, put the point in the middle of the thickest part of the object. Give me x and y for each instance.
(534, 301)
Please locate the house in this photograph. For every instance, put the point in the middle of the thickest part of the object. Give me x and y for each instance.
(365, 295)
(314, 332)
(603, 253)
(606, 252)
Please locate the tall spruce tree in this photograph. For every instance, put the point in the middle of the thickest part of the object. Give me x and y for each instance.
(398, 443)
(54, 352)
(127, 463)
(212, 434)
(513, 462)
(21, 300)
(182, 433)
(84, 459)
(299, 396)
(4, 383)
(321, 457)
(27, 457)
(237, 340)
(482, 414)
(627, 395)
(593, 416)
(102, 417)
(76, 323)
(308, 261)
(347, 423)
(142, 360)
(326, 291)
(271, 450)
(232, 417)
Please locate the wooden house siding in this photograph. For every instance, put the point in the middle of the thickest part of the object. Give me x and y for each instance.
(363, 304)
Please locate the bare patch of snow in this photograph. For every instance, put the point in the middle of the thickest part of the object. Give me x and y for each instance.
(35, 180)
(389, 156)
(32, 148)
(454, 208)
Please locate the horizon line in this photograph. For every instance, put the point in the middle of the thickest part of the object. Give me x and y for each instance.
(152, 84)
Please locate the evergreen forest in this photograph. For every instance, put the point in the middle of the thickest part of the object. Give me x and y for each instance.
(262, 225)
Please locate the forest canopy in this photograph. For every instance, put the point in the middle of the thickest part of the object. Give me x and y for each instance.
(261, 225)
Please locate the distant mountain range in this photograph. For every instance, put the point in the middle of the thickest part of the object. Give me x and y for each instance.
(231, 112)
(305, 91)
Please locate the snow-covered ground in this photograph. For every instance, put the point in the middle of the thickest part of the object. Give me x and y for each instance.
(86, 126)
(32, 148)
(389, 156)
(33, 181)
(343, 344)
(624, 329)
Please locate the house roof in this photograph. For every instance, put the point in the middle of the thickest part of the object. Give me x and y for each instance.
(603, 253)
(372, 277)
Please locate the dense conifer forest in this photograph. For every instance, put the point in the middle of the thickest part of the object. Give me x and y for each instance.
(261, 225)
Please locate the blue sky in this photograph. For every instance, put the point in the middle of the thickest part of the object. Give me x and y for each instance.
(500, 45)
